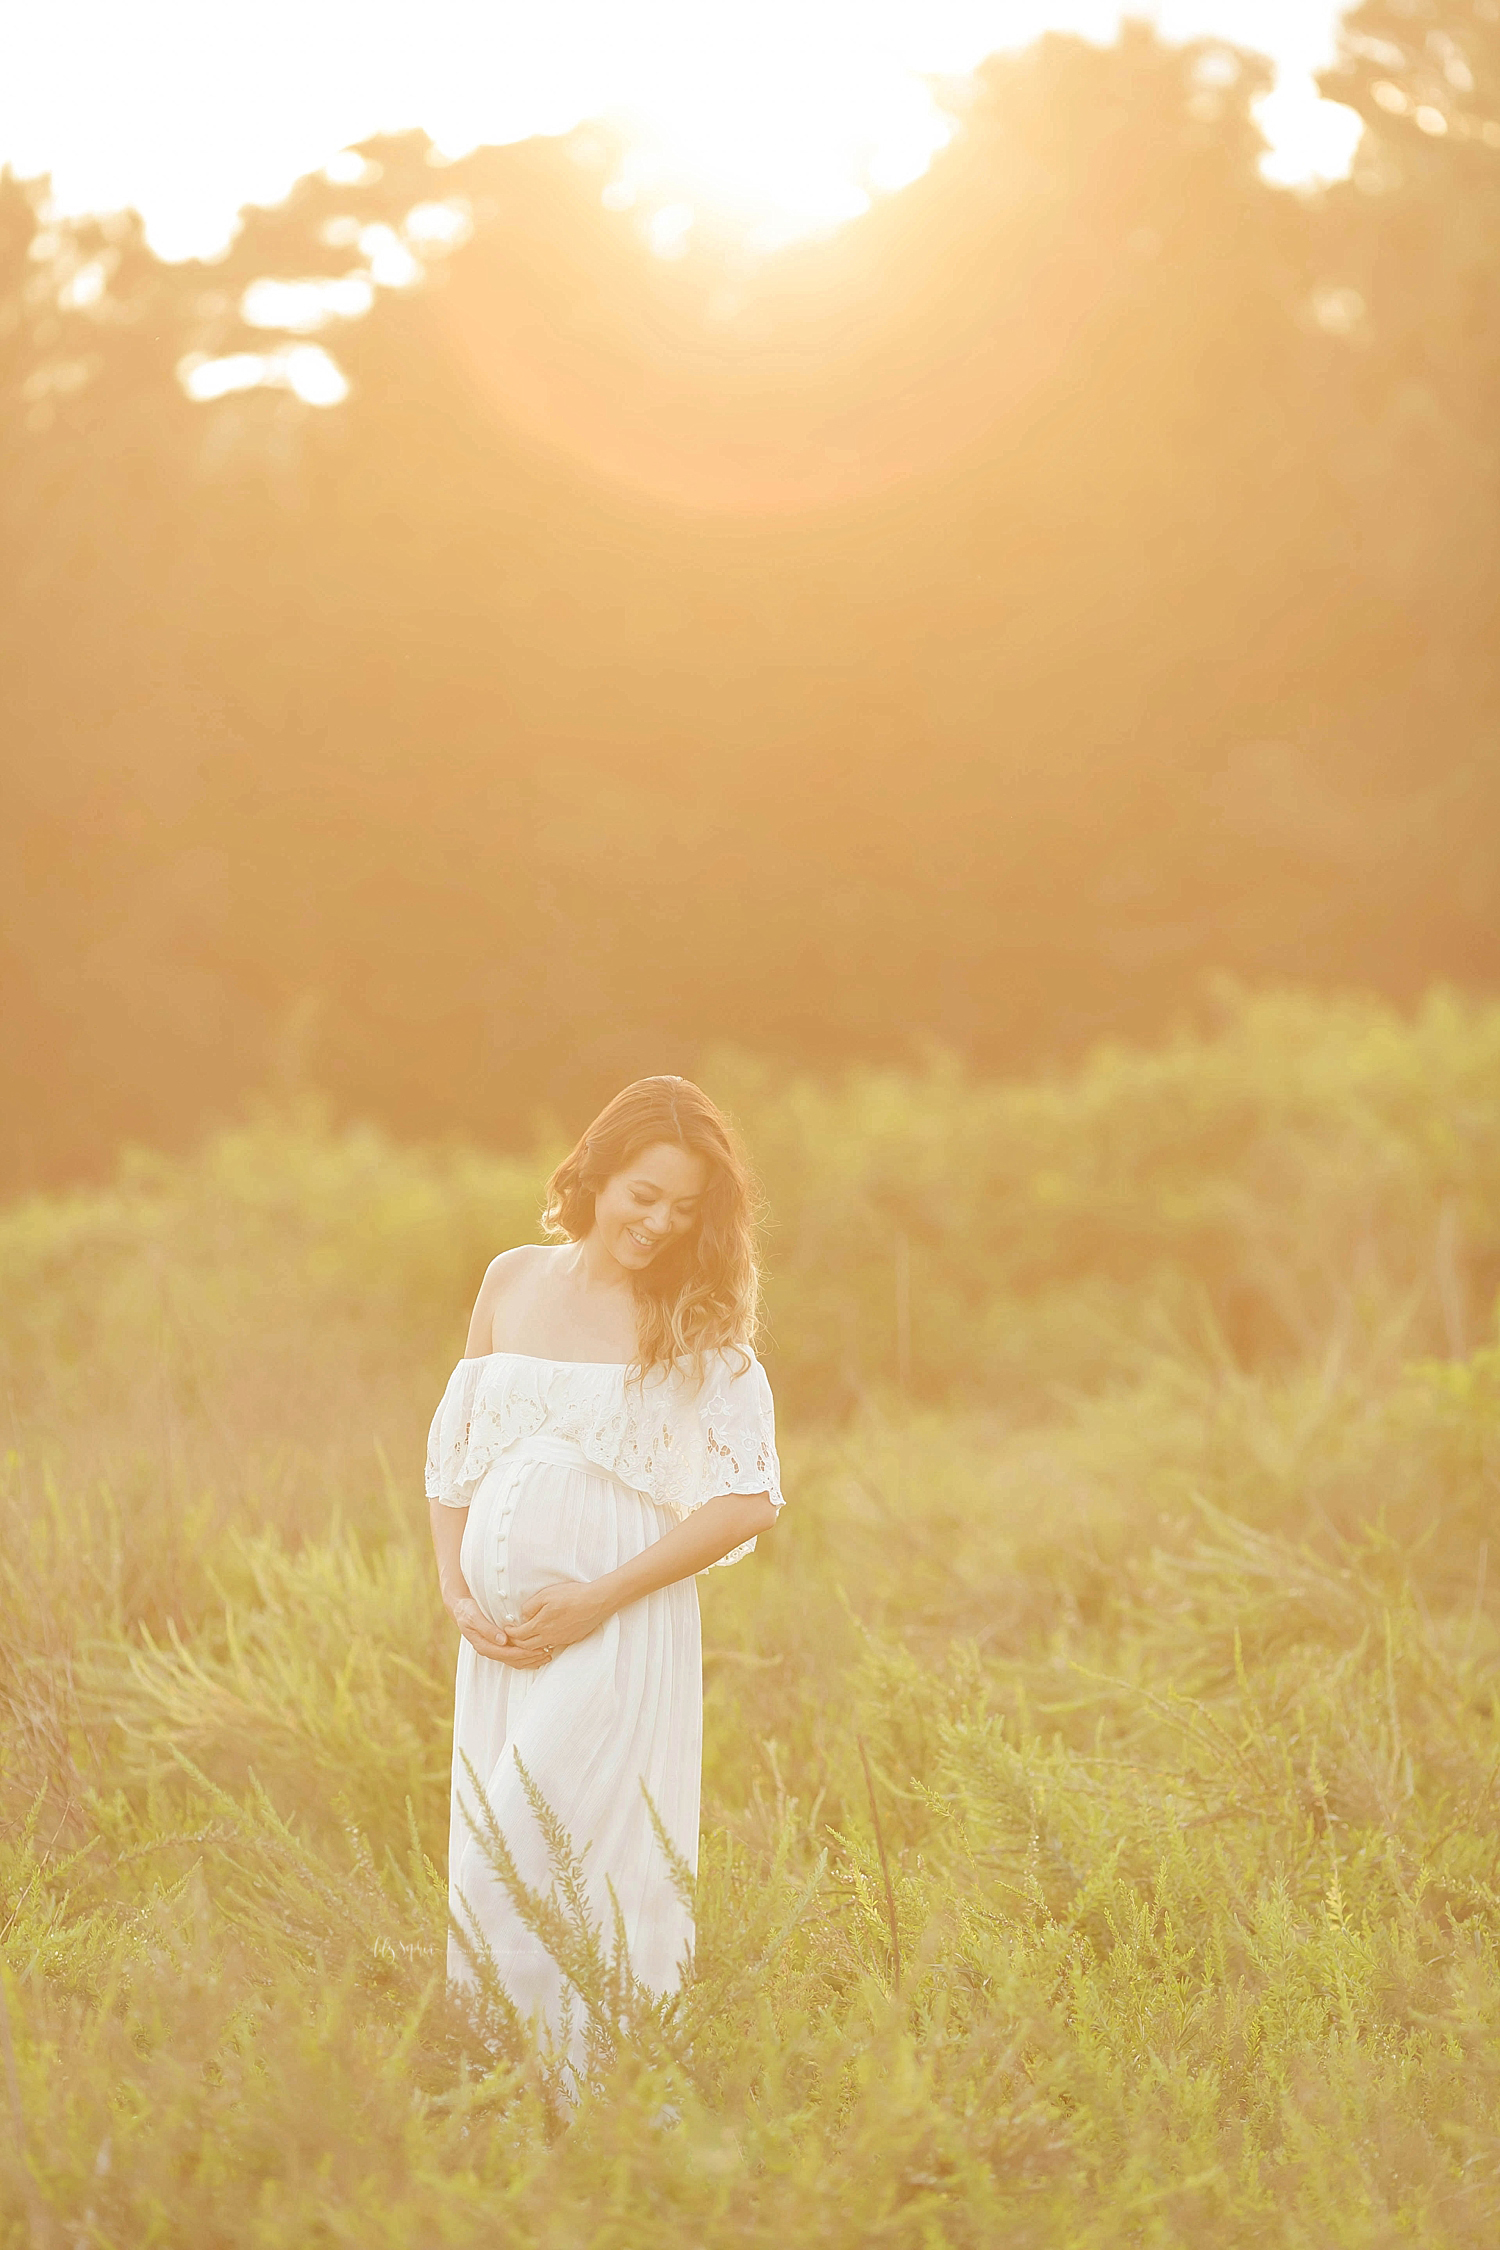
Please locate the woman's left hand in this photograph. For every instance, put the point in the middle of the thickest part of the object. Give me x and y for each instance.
(556, 1618)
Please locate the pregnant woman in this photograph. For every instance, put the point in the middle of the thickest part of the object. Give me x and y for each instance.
(609, 1434)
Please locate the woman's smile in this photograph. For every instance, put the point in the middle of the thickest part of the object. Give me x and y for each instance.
(649, 1205)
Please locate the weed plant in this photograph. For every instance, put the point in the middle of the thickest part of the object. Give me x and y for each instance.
(1103, 1756)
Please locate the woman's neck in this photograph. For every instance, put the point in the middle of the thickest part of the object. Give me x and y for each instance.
(595, 1271)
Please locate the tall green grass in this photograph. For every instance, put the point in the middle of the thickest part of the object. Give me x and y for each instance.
(1103, 1758)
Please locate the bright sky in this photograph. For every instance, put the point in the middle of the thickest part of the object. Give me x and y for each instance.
(781, 116)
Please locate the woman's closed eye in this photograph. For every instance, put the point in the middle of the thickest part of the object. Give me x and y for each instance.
(685, 1211)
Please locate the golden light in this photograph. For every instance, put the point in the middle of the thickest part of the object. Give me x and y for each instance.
(761, 123)
(769, 130)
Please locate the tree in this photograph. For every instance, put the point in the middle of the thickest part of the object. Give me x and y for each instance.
(1064, 582)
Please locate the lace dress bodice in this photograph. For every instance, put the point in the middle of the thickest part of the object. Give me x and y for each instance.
(677, 1441)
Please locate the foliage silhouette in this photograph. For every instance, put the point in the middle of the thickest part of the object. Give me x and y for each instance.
(1078, 575)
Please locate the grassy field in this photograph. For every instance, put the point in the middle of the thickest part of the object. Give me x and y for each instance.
(1134, 1615)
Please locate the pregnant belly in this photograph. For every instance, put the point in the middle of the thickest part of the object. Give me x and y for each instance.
(537, 1523)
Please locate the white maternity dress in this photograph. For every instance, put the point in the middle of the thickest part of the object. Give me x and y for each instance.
(569, 1469)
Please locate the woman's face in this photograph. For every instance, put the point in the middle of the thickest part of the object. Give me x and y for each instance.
(654, 1201)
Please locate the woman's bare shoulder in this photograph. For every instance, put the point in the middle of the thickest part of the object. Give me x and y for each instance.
(504, 1276)
(511, 1264)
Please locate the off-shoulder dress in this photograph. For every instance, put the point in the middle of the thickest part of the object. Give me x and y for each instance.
(570, 1469)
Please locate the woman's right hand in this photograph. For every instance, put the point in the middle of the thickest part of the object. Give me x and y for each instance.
(488, 1639)
(482, 1635)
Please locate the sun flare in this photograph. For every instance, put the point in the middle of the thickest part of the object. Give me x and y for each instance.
(771, 138)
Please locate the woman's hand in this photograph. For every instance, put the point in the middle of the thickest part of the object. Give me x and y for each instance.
(556, 1618)
(481, 1634)
(563, 1614)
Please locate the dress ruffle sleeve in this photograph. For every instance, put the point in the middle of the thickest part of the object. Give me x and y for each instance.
(736, 1433)
(451, 1476)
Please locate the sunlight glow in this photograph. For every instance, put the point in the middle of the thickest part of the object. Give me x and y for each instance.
(1310, 139)
(433, 228)
(300, 307)
(391, 263)
(770, 127)
(764, 123)
(305, 369)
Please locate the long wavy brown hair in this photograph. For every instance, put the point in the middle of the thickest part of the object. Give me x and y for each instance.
(701, 1293)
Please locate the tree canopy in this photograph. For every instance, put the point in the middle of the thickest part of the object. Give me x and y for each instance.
(1074, 578)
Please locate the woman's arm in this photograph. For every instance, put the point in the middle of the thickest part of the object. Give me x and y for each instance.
(447, 1538)
(563, 1614)
(448, 1523)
